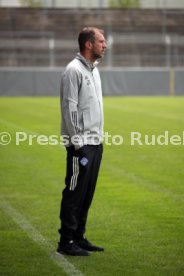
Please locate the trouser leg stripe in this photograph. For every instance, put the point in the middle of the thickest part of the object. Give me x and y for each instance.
(74, 177)
(76, 173)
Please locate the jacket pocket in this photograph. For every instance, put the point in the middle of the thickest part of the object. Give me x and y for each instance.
(86, 120)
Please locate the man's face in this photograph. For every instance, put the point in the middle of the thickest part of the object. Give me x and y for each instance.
(99, 46)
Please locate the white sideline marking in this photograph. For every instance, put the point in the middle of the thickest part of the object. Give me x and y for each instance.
(15, 126)
(60, 260)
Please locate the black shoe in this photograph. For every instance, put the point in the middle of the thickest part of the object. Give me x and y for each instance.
(72, 249)
(87, 245)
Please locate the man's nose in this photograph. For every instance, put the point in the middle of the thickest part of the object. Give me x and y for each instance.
(105, 45)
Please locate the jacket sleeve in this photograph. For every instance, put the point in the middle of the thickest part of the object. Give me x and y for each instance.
(69, 104)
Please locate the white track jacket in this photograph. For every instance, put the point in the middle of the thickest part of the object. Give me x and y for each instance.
(81, 104)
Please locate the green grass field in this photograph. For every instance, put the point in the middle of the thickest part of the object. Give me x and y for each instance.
(137, 213)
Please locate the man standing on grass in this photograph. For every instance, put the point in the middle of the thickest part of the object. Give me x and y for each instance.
(82, 124)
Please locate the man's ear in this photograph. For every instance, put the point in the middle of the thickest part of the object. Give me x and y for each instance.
(89, 45)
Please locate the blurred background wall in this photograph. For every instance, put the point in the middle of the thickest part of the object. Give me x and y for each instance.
(145, 54)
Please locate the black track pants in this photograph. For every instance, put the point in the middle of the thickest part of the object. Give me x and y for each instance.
(81, 177)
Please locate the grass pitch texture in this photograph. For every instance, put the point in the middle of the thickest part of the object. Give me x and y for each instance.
(137, 211)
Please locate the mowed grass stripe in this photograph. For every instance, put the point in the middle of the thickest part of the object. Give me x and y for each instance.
(162, 108)
(147, 184)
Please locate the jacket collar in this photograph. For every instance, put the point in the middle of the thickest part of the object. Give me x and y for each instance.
(86, 62)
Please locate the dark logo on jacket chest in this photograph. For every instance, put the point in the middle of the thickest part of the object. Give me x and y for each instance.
(87, 80)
